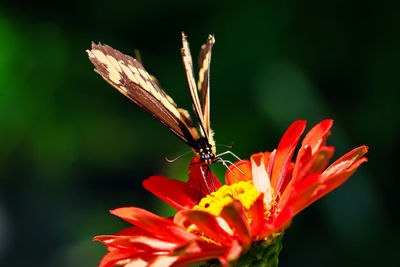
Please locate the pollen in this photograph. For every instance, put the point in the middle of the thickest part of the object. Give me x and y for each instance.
(244, 191)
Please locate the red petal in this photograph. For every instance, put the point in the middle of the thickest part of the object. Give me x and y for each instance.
(107, 240)
(197, 174)
(281, 222)
(288, 179)
(316, 137)
(338, 179)
(283, 219)
(314, 140)
(345, 161)
(134, 231)
(314, 188)
(136, 250)
(233, 214)
(197, 252)
(257, 216)
(209, 225)
(284, 153)
(232, 254)
(239, 171)
(176, 193)
(114, 256)
(162, 261)
(314, 165)
(269, 158)
(261, 179)
(152, 223)
(297, 198)
(138, 243)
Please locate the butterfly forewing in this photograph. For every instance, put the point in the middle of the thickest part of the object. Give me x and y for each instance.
(188, 65)
(129, 77)
(203, 83)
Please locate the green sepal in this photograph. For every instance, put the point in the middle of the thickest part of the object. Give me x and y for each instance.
(263, 253)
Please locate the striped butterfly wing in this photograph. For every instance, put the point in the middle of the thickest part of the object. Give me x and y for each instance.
(201, 107)
(129, 77)
(203, 83)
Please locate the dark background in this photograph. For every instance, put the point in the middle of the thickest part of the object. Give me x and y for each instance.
(73, 148)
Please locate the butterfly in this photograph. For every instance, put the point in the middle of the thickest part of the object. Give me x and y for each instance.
(129, 77)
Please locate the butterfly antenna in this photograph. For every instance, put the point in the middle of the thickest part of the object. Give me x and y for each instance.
(227, 146)
(138, 56)
(178, 157)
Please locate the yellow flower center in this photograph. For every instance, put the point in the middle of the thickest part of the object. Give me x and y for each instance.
(244, 191)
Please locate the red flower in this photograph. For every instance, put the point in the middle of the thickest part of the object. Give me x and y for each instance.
(257, 203)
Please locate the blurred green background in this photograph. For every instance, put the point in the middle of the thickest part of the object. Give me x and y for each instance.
(72, 147)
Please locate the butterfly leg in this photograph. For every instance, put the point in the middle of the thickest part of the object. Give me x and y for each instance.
(205, 178)
(211, 177)
(234, 165)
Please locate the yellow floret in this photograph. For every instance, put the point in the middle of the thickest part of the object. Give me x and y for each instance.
(243, 191)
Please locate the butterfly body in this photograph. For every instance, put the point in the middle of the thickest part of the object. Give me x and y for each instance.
(128, 76)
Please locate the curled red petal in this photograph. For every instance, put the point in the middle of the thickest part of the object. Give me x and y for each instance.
(284, 153)
(123, 238)
(138, 243)
(108, 240)
(196, 252)
(257, 216)
(112, 257)
(313, 188)
(157, 225)
(316, 137)
(176, 193)
(210, 226)
(313, 165)
(234, 215)
(333, 181)
(151, 251)
(231, 254)
(239, 171)
(346, 161)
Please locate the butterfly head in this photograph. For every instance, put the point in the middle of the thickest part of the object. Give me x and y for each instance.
(206, 151)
